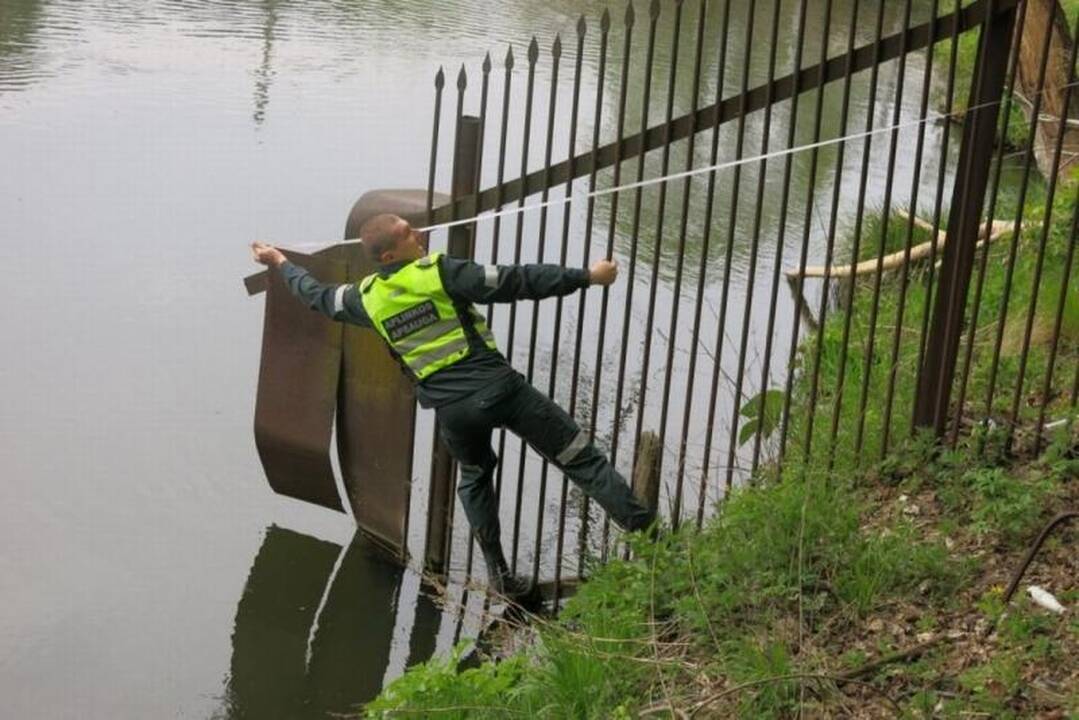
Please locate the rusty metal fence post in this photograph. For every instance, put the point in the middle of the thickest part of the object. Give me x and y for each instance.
(466, 155)
(968, 195)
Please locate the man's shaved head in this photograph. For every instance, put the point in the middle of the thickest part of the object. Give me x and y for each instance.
(390, 239)
(381, 234)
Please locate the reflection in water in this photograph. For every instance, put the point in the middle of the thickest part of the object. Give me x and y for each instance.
(264, 73)
(315, 628)
(19, 22)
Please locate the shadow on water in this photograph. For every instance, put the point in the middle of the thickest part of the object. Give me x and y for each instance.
(317, 626)
(264, 73)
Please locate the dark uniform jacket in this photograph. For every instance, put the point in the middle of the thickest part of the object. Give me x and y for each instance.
(465, 282)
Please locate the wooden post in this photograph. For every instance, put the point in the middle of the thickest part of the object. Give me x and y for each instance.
(646, 470)
(1040, 15)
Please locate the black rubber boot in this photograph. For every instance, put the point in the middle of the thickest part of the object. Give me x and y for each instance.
(499, 577)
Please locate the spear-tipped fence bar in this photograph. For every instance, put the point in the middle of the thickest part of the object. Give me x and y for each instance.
(578, 341)
(552, 106)
(646, 95)
(563, 257)
(533, 56)
(862, 58)
(628, 23)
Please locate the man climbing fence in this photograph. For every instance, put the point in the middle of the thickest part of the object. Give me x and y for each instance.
(421, 305)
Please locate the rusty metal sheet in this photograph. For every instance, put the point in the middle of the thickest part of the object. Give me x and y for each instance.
(297, 390)
(375, 420)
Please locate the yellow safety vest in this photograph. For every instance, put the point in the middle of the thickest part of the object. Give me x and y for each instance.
(415, 315)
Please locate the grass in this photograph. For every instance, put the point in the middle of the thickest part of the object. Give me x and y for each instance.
(724, 597)
(802, 575)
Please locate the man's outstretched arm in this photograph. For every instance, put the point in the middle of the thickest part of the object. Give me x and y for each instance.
(472, 282)
(337, 302)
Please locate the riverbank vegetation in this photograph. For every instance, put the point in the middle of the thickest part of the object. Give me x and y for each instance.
(794, 599)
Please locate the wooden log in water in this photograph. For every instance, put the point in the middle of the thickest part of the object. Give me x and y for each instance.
(996, 230)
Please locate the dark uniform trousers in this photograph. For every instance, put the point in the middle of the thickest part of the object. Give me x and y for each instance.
(513, 403)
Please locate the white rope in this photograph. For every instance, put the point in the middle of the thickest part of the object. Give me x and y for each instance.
(570, 197)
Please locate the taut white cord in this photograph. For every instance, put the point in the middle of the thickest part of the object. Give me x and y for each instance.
(491, 214)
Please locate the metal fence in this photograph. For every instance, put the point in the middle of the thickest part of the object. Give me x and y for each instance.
(788, 291)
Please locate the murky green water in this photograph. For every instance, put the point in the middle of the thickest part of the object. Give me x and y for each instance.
(146, 570)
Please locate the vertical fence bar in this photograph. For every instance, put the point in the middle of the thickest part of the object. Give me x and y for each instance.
(459, 243)
(717, 354)
(1047, 384)
(931, 405)
(1039, 263)
(627, 314)
(630, 18)
(904, 276)
(886, 211)
(440, 83)
(702, 271)
(601, 73)
(533, 55)
(1075, 382)
(781, 235)
(942, 173)
(435, 563)
(751, 273)
(657, 255)
(533, 336)
(496, 234)
(566, 214)
(954, 277)
(829, 249)
(477, 184)
(683, 227)
(1013, 246)
(983, 262)
(810, 191)
(856, 246)
(443, 468)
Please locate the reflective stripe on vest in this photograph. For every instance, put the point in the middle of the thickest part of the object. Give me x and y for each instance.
(412, 312)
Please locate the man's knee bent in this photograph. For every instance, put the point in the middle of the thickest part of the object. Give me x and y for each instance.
(477, 477)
